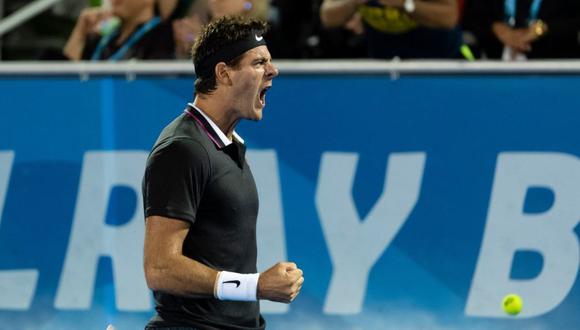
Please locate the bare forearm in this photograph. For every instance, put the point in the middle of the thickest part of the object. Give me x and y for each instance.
(335, 13)
(166, 268)
(181, 276)
(75, 45)
(436, 14)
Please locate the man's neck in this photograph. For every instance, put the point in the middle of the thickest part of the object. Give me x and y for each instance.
(130, 24)
(220, 115)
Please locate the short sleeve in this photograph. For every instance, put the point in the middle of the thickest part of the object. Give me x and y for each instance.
(175, 177)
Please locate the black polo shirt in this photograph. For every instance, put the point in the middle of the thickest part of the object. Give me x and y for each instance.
(195, 174)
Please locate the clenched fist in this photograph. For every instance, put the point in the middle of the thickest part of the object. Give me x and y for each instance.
(281, 283)
(90, 19)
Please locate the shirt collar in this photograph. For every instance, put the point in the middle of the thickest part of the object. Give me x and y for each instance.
(216, 130)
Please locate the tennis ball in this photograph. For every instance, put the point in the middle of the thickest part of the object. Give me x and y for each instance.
(512, 304)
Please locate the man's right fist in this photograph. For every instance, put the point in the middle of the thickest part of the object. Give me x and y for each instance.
(281, 283)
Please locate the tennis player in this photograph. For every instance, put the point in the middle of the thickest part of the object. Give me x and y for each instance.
(200, 198)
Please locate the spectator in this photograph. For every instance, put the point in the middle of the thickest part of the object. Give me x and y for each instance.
(173, 9)
(401, 28)
(187, 29)
(251, 8)
(293, 28)
(476, 23)
(346, 41)
(139, 34)
(536, 29)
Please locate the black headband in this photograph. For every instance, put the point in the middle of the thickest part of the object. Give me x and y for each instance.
(205, 67)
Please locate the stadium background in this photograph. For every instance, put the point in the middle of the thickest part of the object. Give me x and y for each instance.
(412, 197)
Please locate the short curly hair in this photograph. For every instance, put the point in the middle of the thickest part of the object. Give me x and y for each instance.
(218, 34)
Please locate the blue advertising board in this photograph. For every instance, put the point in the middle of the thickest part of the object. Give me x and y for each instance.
(413, 203)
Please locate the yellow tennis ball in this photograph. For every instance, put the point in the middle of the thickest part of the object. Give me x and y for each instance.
(512, 304)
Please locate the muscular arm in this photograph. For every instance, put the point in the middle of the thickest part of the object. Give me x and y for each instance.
(335, 13)
(166, 268)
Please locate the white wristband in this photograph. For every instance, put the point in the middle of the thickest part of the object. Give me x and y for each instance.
(235, 286)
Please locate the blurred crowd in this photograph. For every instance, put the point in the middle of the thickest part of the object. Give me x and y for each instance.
(511, 30)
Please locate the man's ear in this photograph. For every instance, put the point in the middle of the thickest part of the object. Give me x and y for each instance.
(222, 74)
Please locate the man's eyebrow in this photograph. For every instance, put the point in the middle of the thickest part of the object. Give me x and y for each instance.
(261, 58)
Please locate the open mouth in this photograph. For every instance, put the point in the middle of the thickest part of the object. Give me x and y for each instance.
(263, 94)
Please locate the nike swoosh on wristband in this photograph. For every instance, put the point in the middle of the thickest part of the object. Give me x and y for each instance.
(236, 282)
(259, 38)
